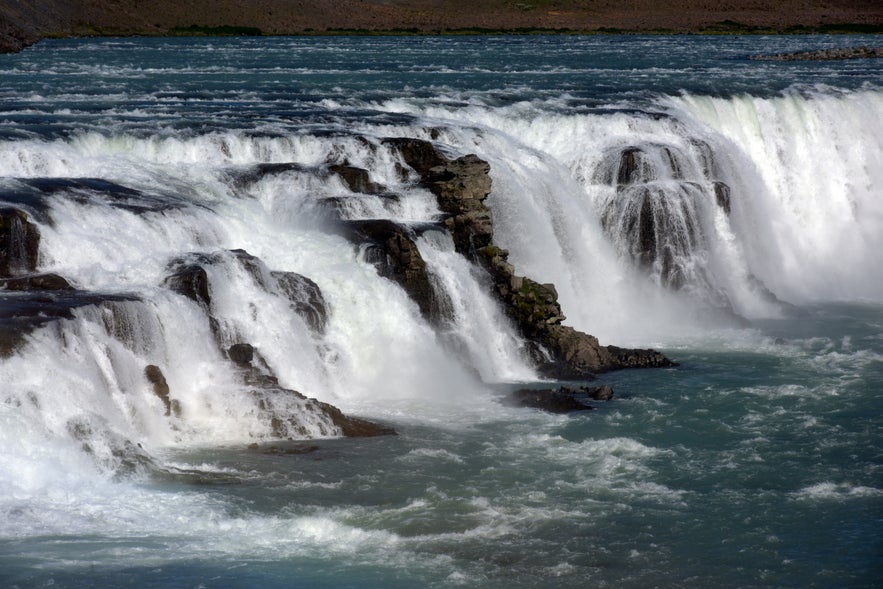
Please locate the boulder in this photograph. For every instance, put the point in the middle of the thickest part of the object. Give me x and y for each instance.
(560, 400)
(190, 280)
(19, 243)
(241, 354)
(460, 186)
(418, 154)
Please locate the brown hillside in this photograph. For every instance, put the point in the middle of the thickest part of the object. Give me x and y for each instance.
(24, 21)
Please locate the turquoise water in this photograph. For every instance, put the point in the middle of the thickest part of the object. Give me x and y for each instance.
(755, 463)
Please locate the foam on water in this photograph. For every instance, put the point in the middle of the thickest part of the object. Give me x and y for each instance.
(762, 422)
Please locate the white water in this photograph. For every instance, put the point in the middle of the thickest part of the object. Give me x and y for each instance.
(804, 172)
(806, 231)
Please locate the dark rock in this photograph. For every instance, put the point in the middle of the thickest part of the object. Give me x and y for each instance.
(575, 355)
(396, 257)
(550, 400)
(35, 282)
(275, 450)
(275, 404)
(461, 187)
(306, 298)
(356, 179)
(19, 243)
(632, 358)
(161, 388)
(243, 177)
(241, 354)
(659, 230)
(633, 167)
(91, 190)
(418, 154)
(562, 399)
(22, 312)
(722, 196)
(190, 280)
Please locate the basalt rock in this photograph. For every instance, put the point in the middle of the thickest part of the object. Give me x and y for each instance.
(356, 179)
(190, 280)
(22, 312)
(161, 389)
(461, 186)
(305, 297)
(19, 243)
(275, 405)
(562, 399)
(722, 196)
(35, 282)
(395, 255)
(241, 354)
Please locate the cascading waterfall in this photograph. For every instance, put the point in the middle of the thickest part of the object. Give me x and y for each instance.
(207, 246)
(733, 215)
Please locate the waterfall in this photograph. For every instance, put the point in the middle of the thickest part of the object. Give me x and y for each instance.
(185, 253)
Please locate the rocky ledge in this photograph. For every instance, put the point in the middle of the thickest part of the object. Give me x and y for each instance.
(461, 187)
(29, 300)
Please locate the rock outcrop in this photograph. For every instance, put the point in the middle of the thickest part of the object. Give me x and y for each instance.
(392, 250)
(19, 243)
(560, 400)
(288, 413)
(461, 186)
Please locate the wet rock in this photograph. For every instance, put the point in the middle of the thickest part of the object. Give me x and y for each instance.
(461, 186)
(418, 154)
(396, 256)
(574, 355)
(722, 196)
(562, 399)
(241, 354)
(156, 378)
(244, 177)
(92, 190)
(35, 282)
(22, 312)
(306, 298)
(190, 280)
(275, 450)
(356, 179)
(276, 405)
(19, 243)
(636, 358)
